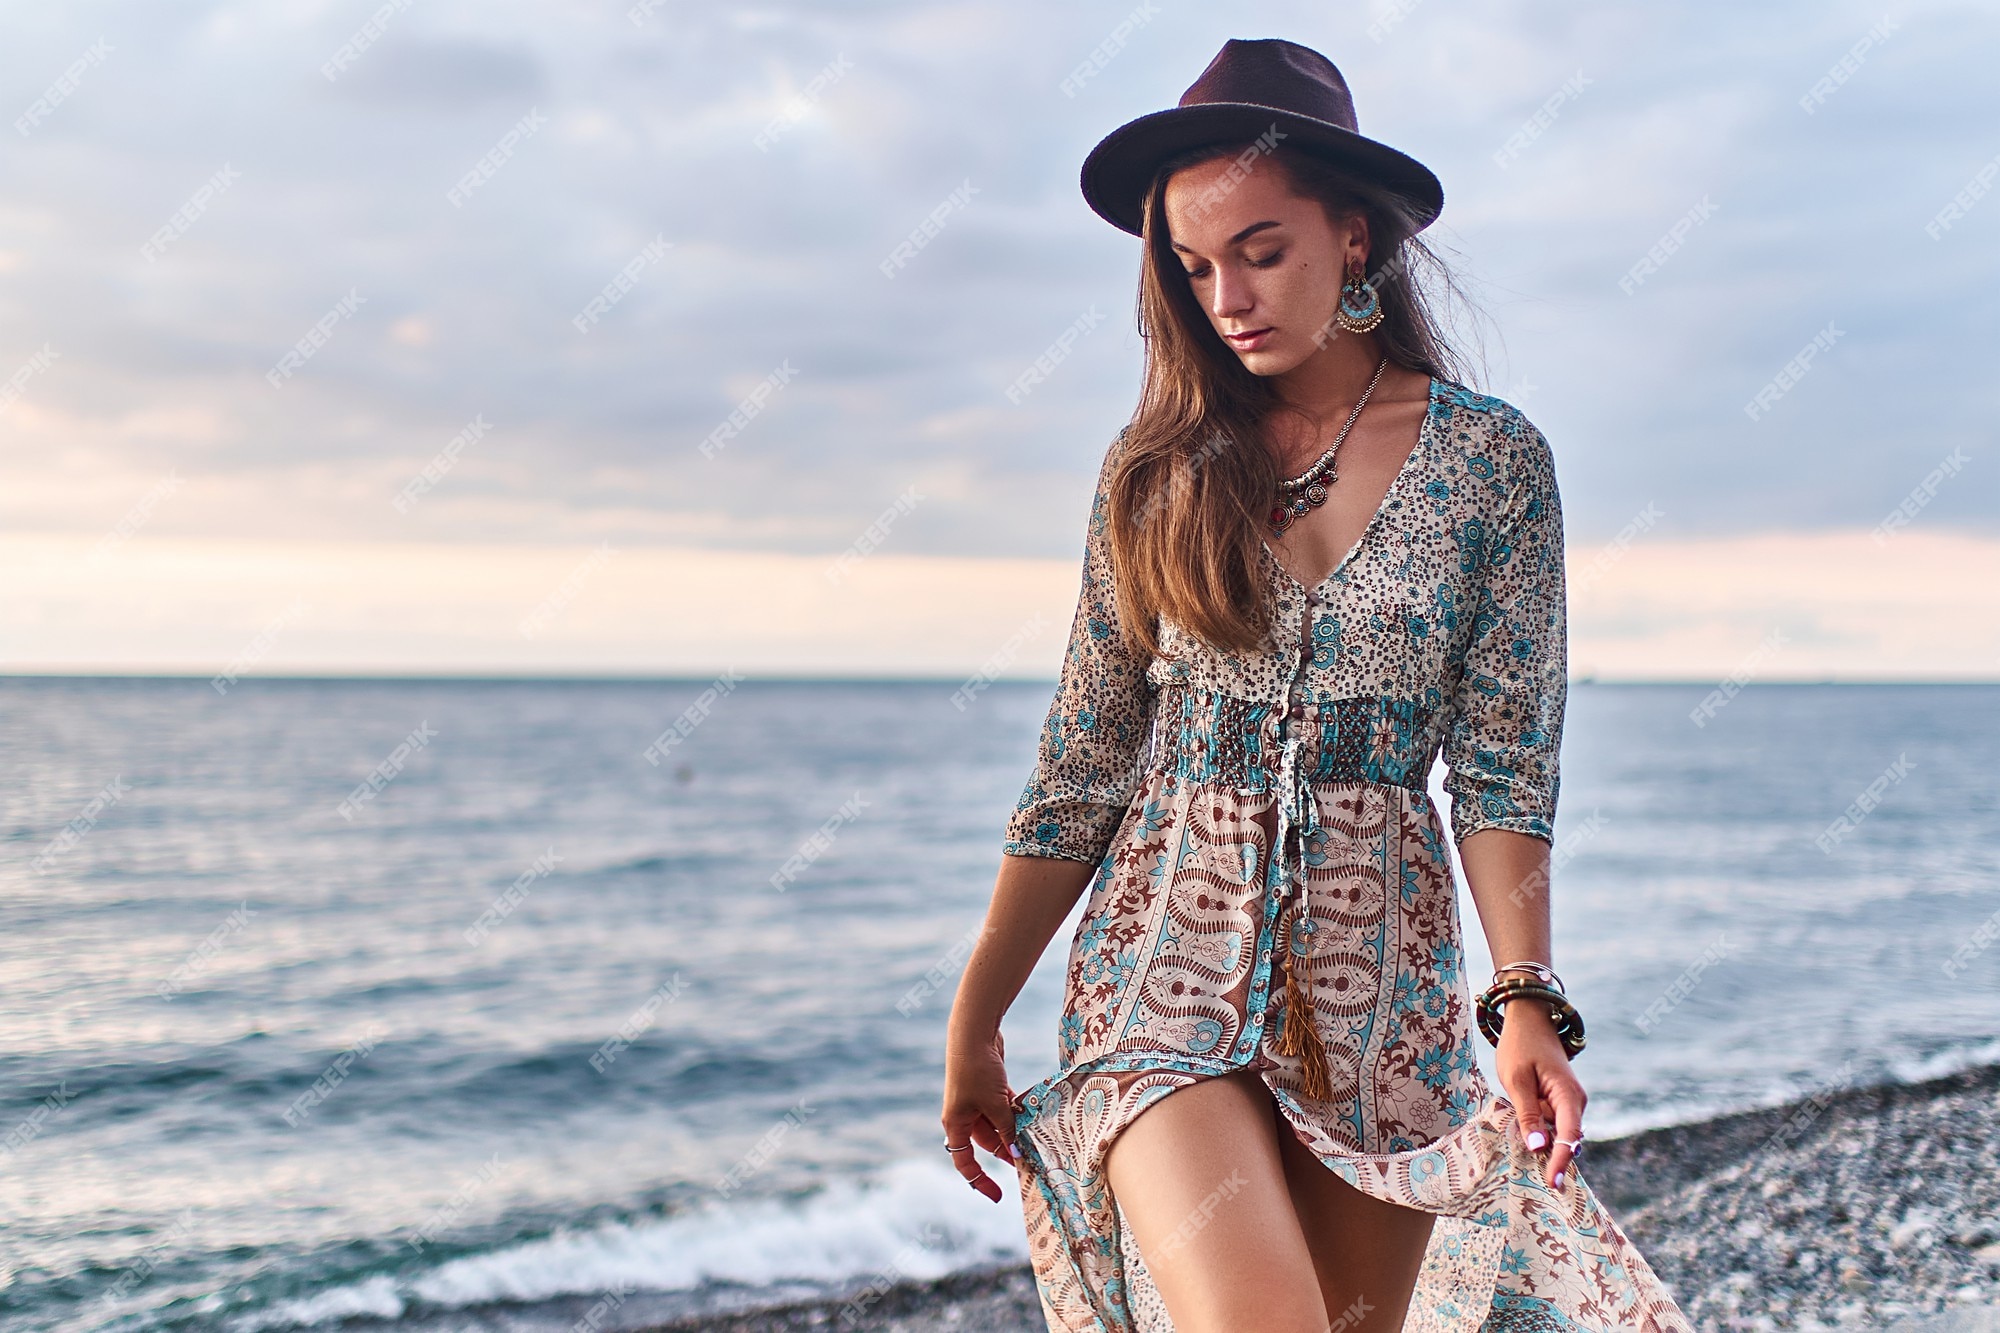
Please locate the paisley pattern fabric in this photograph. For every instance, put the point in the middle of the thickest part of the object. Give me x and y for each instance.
(1239, 804)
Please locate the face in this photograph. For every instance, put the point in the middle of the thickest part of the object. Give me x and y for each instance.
(1259, 259)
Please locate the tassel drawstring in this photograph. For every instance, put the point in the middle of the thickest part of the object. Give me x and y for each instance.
(1300, 1038)
(1298, 826)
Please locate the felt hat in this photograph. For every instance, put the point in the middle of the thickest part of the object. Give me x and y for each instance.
(1266, 91)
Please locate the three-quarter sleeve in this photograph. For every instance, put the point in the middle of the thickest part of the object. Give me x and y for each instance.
(1098, 725)
(1501, 748)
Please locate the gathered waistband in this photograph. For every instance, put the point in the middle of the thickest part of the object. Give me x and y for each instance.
(1204, 736)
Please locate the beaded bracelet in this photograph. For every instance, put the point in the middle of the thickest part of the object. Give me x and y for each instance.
(1569, 1023)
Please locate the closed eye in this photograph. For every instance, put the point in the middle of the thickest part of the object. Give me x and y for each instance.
(1271, 262)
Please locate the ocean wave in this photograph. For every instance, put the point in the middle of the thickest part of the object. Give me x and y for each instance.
(915, 1219)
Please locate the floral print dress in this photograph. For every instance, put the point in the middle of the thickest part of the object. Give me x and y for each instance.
(1239, 804)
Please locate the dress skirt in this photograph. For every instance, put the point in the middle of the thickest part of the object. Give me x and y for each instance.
(1171, 979)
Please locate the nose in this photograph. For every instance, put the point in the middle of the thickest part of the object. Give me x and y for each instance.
(1230, 294)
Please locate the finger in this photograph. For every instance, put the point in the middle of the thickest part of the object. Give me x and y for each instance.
(1558, 1168)
(1567, 1097)
(962, 1130)
(1004, 1144)
(969, 1167)
(982, 1182)
(996, 1119)
(984, 1129)
(1527, 1111)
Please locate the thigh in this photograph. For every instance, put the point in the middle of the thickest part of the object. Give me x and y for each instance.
(1365, 1252)
(1200, 1181)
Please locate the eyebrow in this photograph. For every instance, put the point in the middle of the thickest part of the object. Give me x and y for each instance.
(1240, 236)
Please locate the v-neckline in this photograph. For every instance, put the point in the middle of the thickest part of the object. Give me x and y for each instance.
(1374, 520)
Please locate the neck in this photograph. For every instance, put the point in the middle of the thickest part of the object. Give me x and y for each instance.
(1331, 379)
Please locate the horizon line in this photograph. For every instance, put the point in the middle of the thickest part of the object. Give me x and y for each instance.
(872, 678)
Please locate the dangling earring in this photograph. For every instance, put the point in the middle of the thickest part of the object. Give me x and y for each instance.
(1360, 308)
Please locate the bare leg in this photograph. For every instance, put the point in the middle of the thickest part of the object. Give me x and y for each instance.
(1204, 1191)
(1366, 1252)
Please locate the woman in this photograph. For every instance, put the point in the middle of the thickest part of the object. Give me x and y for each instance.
(1315, 561)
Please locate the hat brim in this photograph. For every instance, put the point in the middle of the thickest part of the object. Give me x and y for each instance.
(1118, 170)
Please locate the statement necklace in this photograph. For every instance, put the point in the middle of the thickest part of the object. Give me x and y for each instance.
(1300, 495)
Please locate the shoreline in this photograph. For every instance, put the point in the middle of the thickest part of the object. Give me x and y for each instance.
(1874, 1206)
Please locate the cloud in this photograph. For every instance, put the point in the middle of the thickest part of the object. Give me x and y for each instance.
(399, 72)
(650, 129)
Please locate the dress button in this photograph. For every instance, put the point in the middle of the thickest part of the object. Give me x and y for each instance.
(1298, 710)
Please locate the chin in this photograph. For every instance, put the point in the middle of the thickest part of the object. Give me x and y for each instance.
(1268, 360)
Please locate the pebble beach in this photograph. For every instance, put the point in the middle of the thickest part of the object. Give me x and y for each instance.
(1854, 1208)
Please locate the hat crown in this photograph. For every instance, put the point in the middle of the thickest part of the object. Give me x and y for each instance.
(1273, 72)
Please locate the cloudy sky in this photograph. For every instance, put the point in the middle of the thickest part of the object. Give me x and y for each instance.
(342, 335)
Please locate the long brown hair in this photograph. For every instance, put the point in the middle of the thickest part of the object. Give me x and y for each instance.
(1189, 498)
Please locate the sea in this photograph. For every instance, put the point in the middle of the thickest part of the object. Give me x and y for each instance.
(541, 1005)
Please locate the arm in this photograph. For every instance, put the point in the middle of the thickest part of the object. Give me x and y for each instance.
(1086, 769)
(1502, 749)
(1502, 759)
(1031, 896)
(1087, 766)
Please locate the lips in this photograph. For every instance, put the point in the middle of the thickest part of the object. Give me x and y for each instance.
(1248, 338)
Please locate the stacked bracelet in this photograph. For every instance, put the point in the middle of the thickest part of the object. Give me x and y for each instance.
(1541, 972)
(1569, 1023)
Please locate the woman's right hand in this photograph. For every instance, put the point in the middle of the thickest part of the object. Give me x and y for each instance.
(979, 1106)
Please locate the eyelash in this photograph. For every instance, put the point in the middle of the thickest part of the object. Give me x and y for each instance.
(1276, 255)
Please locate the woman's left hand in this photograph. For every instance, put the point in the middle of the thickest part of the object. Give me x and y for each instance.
(1535, 1073)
